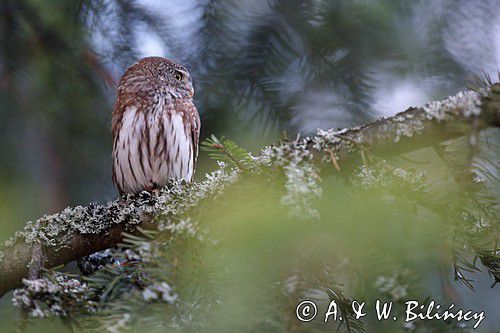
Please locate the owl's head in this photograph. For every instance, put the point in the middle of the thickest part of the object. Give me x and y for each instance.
(157, 75)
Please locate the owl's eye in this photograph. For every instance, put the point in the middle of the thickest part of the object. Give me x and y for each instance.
(178, 76)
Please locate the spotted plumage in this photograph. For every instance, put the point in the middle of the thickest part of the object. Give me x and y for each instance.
(155, 126)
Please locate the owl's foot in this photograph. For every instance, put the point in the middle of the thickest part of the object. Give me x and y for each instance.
(153, 188)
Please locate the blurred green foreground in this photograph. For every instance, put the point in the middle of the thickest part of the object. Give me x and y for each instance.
(394, 230)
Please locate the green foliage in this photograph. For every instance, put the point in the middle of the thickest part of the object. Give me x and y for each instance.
(240, 260)
(229, 152)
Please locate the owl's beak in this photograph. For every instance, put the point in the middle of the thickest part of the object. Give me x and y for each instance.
(191, 91)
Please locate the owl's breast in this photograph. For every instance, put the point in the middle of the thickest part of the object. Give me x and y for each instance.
(172, 152)
(153, 147)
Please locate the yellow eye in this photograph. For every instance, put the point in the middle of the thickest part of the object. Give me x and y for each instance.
(178, 76)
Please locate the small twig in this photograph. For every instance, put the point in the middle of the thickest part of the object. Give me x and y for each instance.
(334, 160)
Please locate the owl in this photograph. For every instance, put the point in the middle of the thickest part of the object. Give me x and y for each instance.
(155, 126)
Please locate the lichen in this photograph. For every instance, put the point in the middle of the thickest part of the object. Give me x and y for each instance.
(159, 291)
(174, 200)
(393, 286)
(465, 103)
(301, 185)
(382, 174)
(58, 296)
(179, 197)
(184, 226)
(328, 142)
(327, 138)
(52, 230)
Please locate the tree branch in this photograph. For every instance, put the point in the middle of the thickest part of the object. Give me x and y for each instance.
(79, 231)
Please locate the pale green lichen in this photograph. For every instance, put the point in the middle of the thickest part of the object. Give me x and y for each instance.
(301, 184)
(160, 291)
(55, 296)
(465, 103)
(389, 181)
(328, 138)
(51, 230)
(393, 285)
(175, 200)
(184, 226)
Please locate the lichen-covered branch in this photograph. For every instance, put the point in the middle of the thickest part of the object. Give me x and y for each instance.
(416, 127)
(79, 231)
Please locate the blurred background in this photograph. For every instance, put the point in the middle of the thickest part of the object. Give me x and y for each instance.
(260, 68)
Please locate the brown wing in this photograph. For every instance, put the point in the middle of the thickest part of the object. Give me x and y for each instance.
(116, 124)
(195, 133)
(126, 98)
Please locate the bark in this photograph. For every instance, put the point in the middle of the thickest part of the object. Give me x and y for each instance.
(80, 231)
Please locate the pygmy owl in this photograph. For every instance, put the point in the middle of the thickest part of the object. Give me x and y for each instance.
(155, 126)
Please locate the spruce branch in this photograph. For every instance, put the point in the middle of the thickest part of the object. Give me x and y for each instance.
(80, 231)
(227, 151)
